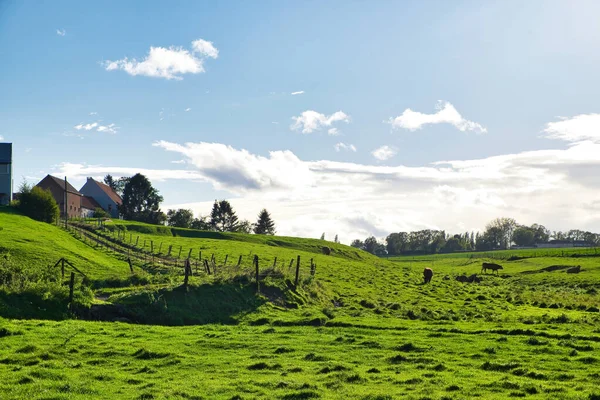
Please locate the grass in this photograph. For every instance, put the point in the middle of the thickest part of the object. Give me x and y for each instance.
(361, 327)
(75, 359)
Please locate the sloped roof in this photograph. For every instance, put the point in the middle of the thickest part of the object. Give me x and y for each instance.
(109, 191)
(89, 202)
(61, 183)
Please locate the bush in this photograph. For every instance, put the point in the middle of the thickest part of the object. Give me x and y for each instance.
(100, 213)
(38, 204)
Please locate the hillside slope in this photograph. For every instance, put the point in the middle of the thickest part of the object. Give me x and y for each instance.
(37, 245)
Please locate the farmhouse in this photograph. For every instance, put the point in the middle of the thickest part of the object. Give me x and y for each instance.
(556, 244)
(104, 195)
(6, 182)
(56, 186)
(88, 206)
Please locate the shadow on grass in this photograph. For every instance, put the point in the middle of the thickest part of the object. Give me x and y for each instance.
(220, 303)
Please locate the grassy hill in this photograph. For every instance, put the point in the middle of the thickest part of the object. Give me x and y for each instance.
(361, 327)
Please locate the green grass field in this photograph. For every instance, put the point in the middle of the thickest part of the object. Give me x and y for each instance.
(362, 327)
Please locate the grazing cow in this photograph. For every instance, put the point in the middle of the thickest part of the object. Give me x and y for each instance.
(574, 270)
(427, 275)
(326, 250)
(492, 266)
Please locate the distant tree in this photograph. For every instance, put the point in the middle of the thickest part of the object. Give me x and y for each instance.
(110, 181)
(38, 204)
(201, 224)
(503, 229)
(452, 244)
(524, 236)
(374, 247)
(181, 218)
(265, 224)
(540, 233)
(357, 243)
(100, 213)
(141, 201)
(245, 226)
(335, 239)
(222, 217)
(323, 236)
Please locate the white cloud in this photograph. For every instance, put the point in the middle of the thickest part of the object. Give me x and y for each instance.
(86, 127)
(168, 63)
(205, 48)
(110, 128)
(333, 131)
(93, 113)
(296, 93)
(187, 109)
(446, 114)
(343, 146)
(1, 137)
(61, 32)
(575, 129)
(310, 121)
(384, 153)
(275, 122)
(178, 162)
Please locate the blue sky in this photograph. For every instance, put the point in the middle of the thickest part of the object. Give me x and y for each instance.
(389, 90)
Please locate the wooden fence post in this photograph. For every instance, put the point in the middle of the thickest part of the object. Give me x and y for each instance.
(206, 267)
(274, 262)
(225, 262)
(180, 247)
(137, 241)
(297, 272)
(187, 273)
(130, 265)
(257, 277)
(200, 255)
(71, 288)
(170, 248)
(160, 248)
(190, 254)
(239, 260)
(62, 269)
(144, 244)
(152, 246)
(313, 268)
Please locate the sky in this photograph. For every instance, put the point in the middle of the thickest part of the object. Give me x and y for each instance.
(346, 117)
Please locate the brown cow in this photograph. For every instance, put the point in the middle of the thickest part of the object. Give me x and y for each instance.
(326, 250)
(492, 266)
(427, 275)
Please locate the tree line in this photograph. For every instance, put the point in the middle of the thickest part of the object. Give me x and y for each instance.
(499, 234)
(141, 202)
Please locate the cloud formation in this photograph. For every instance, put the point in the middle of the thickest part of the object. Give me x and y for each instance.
(296, 93)
(343, 146)
(110, 128)
(446, 114)
(575, 129)
(168, 63)
(61, 32)
(310, 121)
(557, 187)
(384, 153)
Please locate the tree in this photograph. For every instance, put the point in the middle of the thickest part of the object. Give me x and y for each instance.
(540, 233)
(323, 236)
(357, 243)
(452, 244)
(181, 218)
(524, 236)
(245, 226)
(118, 185)
(38, 204)
(141, 201)
(264, 225)
(100, 213)
(201, 224)
(503, 231)
(222, 217)
(335, 239)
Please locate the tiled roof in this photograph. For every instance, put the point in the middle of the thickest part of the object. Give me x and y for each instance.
(61, 183)
(89, 203)
(111, 193)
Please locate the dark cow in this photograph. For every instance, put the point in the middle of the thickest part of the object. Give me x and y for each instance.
(492, 266)
(574, 270)
(326, 250)
(427, 275)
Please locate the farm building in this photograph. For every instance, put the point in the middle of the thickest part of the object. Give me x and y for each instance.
(57, 188)
(6, 181)
(556, 244)
(88, 206)
(104, 195)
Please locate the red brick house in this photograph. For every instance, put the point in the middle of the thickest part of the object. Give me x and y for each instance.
(57, 188)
